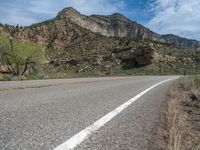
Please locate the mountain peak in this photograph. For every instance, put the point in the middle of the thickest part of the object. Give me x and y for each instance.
(117, 15)
(69, 11)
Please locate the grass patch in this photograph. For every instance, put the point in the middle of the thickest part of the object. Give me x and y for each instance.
(190, 83)
(6, 77)
(179, 127)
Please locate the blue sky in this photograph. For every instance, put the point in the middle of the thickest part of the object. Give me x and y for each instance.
(180, 17)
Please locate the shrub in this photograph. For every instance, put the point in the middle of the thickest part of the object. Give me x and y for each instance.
(190, 83)
(7, 77)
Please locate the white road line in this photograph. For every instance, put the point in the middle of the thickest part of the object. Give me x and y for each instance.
(84, 134)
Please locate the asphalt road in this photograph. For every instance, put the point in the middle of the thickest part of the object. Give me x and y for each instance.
(41, 115)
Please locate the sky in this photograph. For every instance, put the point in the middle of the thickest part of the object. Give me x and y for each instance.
(180, 17)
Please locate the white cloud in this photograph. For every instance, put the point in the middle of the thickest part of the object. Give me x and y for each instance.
(180, 17)
(84, 6)
(17, 16)
(25, 12)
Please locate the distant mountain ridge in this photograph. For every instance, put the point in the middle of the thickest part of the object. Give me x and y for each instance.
(183, 42)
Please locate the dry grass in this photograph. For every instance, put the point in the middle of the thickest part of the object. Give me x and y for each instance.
(181, 114)
(183, 108)
(190, 83)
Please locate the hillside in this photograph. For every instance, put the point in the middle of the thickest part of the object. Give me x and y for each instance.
(115, 25)
(183, 42)
(103, 45)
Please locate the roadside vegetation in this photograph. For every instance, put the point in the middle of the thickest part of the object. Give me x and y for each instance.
(19, 59)
(180, 118)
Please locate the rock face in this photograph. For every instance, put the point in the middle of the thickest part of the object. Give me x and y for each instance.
(115, 25)
(165, 58)
(3, 69)
(135, 56)
(182, 42)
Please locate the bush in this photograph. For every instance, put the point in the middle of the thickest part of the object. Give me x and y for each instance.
(31, 77)
(7, 77)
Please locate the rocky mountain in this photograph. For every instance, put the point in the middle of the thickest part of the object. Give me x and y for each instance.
(102, 45)
(70, 26)
(115, 25)
(182, 42)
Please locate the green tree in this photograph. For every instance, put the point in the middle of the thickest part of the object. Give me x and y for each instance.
(19, 56)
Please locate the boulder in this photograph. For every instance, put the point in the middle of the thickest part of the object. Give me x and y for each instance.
(142, 55)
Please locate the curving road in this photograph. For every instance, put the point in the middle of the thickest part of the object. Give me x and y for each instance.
(44, 115)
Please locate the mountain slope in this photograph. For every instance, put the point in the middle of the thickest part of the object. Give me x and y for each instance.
(69, 44)
(115, 25)
(69, 26)
(103, 45)
(182, 42)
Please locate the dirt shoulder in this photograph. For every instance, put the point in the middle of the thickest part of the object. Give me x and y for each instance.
(179, 127)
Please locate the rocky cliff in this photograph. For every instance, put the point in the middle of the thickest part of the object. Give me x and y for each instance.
(115, 25)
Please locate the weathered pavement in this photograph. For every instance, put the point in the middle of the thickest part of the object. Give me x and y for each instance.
(41, 115)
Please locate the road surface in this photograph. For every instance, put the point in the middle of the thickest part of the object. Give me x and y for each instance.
(46, 114)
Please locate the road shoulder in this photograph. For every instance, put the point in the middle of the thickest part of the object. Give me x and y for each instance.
(179, 127)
